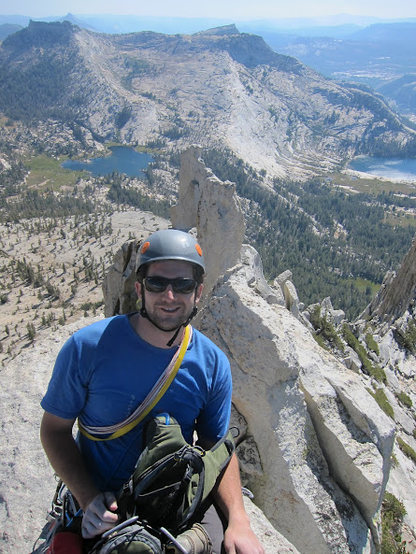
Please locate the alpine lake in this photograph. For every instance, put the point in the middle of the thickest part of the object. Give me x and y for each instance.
(123, 159)
(397, 169)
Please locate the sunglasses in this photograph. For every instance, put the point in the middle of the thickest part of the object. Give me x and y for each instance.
(182, 285)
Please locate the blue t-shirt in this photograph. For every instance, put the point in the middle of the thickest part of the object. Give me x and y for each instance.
(104, 371)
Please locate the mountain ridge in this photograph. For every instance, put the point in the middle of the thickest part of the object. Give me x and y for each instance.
(125, 87)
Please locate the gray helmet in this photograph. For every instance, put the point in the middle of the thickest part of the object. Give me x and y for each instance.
(170, 244)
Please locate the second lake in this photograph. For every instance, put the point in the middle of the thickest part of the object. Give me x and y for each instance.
(390, 168)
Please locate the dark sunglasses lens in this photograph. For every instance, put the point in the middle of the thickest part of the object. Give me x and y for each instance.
(183, 285)
(159, 284)
(155, 284)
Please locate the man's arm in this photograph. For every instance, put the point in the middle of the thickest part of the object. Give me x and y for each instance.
(239, 538)
(67, 461)
(65, 457)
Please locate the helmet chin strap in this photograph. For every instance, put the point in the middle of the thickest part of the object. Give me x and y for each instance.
(143, 313)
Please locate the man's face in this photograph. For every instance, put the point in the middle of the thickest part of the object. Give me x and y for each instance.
(169, 309)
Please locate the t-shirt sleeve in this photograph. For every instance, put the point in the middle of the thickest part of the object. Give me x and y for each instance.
(214, 420)
(67, 389)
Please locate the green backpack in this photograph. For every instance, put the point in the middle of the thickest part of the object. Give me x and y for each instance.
(172, 479)
(171, 482)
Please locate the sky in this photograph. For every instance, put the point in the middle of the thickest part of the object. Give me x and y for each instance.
(233, 9)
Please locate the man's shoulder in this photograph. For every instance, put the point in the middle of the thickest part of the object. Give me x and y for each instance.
(95, 331)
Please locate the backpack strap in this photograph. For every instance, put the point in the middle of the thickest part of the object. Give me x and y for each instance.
(161, 386)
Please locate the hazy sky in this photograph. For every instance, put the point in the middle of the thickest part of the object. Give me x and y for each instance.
(233, 9)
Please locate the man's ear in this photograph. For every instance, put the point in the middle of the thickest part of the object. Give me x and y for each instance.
(198, 293)
(138, 287)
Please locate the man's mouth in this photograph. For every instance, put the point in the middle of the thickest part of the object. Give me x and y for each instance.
(169, 310)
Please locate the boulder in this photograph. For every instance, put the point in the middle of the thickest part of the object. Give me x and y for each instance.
(327, 310)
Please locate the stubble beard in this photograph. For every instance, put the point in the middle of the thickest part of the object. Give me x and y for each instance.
(166, 322)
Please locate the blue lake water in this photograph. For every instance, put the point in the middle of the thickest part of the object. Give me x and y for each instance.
(390, 168)
(123, 159)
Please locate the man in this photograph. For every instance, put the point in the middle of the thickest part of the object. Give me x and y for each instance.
(105, 371)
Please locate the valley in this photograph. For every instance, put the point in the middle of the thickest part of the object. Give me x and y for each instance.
(277, 129)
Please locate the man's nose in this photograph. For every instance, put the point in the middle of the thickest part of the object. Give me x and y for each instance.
(169, 292)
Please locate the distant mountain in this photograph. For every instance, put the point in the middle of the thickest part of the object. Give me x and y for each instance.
(374, 55)
(390, 33)
(335, 26)
(402, 91)
(219, 88)
(360, 49)
(75, 21)
(119, 24)
(289, 29)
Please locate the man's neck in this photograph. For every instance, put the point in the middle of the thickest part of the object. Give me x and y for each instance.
(151, 334)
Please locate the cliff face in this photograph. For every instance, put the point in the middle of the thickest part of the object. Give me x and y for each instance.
(215, 89)
(398, 291)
